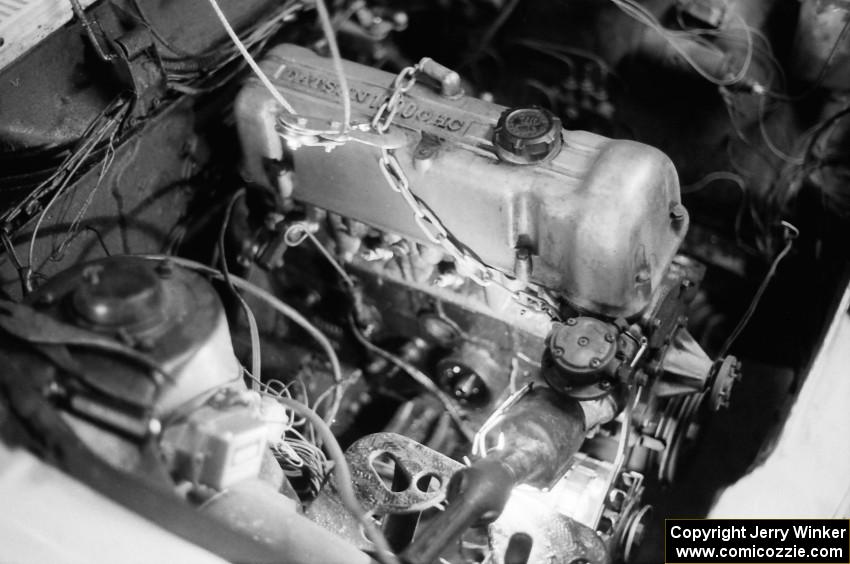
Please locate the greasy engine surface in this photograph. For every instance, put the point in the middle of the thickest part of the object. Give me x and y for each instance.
(464, 292)
(594, 216)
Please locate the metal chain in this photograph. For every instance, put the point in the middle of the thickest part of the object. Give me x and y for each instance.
(403, 82)
(301, 130)
(426, 219)
(430, 224)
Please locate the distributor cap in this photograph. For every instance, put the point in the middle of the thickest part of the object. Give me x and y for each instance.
(580, 354)
(527, 135)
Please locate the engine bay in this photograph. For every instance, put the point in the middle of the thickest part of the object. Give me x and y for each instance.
(492, 281)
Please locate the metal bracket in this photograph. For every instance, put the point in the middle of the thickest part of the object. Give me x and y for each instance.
(425, 474)
(133, 55)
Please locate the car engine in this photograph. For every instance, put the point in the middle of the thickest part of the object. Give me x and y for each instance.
(416, 282)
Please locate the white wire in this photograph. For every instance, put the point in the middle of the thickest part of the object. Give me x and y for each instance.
(344, 481)
(249, 59)
(330, 36)
(85, 150)
(790, 159)
(292, 238)
(416, 375)
(644, 16)
(713, 177)
(791, 234)
(253, 329)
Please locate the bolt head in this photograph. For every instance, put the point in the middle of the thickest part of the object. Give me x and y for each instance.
(677, 212)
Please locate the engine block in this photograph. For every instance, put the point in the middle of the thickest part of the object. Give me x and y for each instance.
(600, 218)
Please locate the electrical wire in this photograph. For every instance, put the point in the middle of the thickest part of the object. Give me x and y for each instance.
(330, 37)
(343, 481)
(353, 377)
(769, 143)
(552, 98)
(256, 355)
(505, 13)
(94, 37)
(783, 188)
(714, 177)
(100, 240)
(73, 228)
(16, 261)
(188, 75)
(274, 389)
(299, 458)
(297, 233)
(621, 458)
(791, 234)
(559, 51)
(86, 151)
(10, 250)
(105, 119)
(277, 388)
(93, 135)
(418, 376)
(822, 127)
(190, 405)
(642, 15)
(155, 33)
(766, 49)
(821, 75)
(294, 236)
(281, 307)
(249, 59)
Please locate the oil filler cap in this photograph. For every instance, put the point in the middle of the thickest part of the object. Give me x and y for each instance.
(527, 135)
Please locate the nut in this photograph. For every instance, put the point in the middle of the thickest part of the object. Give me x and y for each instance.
(677, 212)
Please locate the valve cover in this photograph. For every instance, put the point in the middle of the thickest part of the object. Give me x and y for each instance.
(602, 218)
